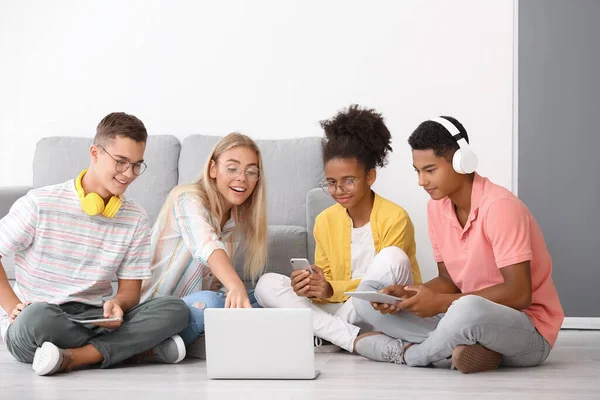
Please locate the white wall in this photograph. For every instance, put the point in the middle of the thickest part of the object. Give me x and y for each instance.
(270, 69)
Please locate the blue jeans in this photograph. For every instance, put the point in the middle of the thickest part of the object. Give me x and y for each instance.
(199, 301)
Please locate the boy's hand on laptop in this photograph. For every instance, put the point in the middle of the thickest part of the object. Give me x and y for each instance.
(111, 310)
(318, 286)
(237, 298)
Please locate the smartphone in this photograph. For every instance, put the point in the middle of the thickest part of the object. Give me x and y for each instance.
(93, 320)
(301, 264)
(375, 297)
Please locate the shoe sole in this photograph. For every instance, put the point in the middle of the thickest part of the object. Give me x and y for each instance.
(327, 349)
(45, 359)
(475, 358)
(180, 348)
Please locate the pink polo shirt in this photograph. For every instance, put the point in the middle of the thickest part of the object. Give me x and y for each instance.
(500, 232)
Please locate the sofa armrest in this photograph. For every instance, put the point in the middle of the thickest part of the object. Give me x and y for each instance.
(316, 201)
(10, 194)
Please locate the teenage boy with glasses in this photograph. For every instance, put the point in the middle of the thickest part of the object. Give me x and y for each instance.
(70, 240)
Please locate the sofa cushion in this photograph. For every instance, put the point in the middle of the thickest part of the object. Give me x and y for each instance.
(58, 159)
(194, 152)
(152, 187)
(291, 168)
(285, 242)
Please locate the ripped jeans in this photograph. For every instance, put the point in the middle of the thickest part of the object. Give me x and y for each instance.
(199, 301)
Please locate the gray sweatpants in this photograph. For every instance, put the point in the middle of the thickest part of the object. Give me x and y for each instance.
(469, 320)
(144, 326)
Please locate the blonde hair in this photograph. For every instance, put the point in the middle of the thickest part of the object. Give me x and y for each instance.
(250, 216)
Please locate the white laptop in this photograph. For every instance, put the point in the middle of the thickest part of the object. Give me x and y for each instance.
(246, 343)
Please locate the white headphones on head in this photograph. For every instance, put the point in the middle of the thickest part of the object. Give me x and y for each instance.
(464, 160)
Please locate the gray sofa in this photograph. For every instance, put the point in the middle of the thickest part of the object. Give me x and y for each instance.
(293, 169)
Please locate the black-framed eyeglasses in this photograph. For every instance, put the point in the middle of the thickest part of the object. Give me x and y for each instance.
(347, 186)
(252, 173)
(123, 165)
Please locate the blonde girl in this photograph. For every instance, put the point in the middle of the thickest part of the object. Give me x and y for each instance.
(200, 228)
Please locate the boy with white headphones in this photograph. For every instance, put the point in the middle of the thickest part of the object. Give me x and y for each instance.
(494, 301)
(70, 240)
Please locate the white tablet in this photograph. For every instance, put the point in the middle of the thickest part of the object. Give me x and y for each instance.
(92, 320)
(375, 297)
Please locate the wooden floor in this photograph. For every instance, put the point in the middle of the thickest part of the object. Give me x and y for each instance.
(571, 371)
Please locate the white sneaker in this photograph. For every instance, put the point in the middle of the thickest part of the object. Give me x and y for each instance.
(169, 351)
(49, 359)
(323, 346)
(380, 347)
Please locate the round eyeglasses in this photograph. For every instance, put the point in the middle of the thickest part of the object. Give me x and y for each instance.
(123, 165)
(347, 186)
(251, 173)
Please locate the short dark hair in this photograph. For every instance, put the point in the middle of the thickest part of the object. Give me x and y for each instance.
(358, 133)
(120, 124)
(432, 135)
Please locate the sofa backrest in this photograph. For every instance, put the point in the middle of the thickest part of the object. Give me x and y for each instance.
(292, 167)
(58, 159)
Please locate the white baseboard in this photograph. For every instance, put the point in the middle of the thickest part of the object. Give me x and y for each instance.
(581, 323)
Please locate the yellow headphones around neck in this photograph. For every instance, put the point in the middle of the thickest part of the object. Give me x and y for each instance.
(93, 204)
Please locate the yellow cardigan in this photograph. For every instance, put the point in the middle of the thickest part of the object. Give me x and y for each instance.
(391, 226)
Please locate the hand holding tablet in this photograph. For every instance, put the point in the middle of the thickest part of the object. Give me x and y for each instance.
(375, 297)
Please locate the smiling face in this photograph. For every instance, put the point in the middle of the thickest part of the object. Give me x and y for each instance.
(348, 182)
(106, 179)
(236, 173)
(436, 174)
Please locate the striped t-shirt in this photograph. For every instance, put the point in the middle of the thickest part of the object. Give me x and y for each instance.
(64, 255)
(181, 249)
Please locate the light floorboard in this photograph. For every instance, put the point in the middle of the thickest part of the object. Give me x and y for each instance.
(571, 371)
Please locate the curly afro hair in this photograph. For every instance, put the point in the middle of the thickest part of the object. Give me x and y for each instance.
(434, 136)
(357, 133)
